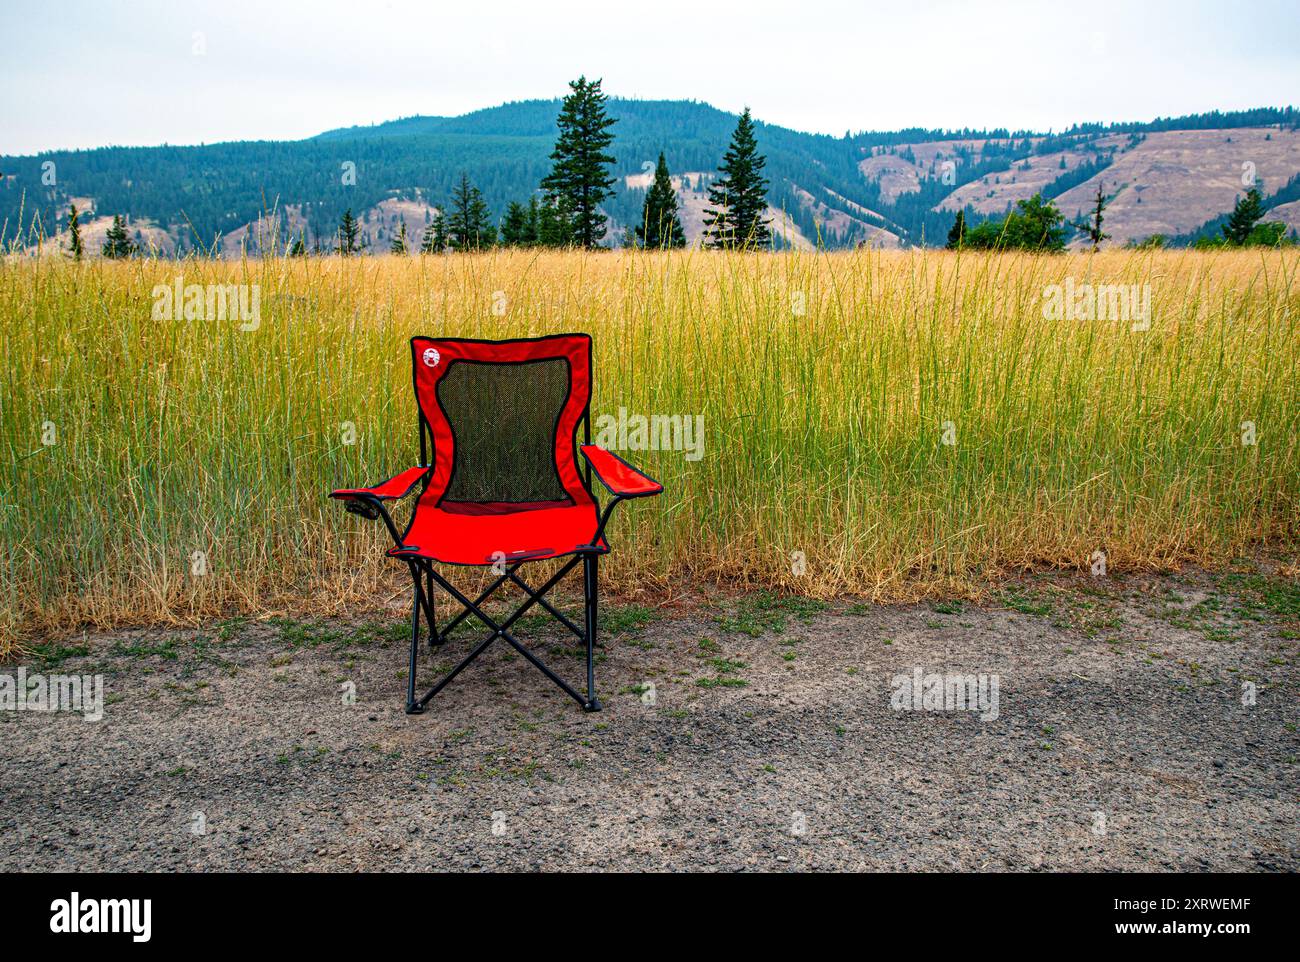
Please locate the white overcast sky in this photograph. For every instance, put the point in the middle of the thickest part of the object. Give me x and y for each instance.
(77, 73)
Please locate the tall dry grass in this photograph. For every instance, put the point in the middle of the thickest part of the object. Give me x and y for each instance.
(824, 381)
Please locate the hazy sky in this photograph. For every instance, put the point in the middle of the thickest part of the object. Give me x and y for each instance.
(76, 73)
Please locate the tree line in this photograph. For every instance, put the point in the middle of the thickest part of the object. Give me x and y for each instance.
(199, 194)
(1036, 224)
(566, 210)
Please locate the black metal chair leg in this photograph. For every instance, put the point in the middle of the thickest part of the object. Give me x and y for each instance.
(589, 592)
(431, 612)
(446, 679)
(411, 707)
(423, 599)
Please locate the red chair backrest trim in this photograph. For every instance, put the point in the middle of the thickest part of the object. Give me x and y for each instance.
(432, 358)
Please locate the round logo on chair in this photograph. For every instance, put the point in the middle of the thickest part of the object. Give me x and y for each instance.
(431, 357)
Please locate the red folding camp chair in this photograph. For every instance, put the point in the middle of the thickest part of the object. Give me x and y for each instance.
(503, 486)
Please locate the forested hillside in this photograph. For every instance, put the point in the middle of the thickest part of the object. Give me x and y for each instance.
(839, 190)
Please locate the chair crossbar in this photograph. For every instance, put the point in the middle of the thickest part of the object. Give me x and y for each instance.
(487, 593)
(555, 612)
(423, 601)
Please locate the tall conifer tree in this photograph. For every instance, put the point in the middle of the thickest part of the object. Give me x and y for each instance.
(1241, 221)
(579, 179)
(117, 244)
(469, 224)
(519, 225)
(349, 234)
(957, 233)
(554, 225)
(1092, 227)
(434, 240)
(738, 199)
(75, 246)
(660, 226)
(398, 246)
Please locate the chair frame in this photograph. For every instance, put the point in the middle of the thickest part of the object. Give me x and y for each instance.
(424, 575)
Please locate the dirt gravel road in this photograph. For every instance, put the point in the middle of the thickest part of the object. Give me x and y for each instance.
(1142, 723)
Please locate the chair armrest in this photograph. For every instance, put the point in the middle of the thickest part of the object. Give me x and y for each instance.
(369, 502)
(394, 488)
(622, 480)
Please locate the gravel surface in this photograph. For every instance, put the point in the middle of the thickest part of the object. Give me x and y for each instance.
(770, 740)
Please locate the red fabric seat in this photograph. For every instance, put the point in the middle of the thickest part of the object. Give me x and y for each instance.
(473, 534)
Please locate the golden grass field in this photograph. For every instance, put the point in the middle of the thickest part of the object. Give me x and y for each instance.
(824, 381)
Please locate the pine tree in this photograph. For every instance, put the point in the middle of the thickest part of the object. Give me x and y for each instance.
(349, 233)
(534, 227)
(739, 196)
(398, 246)
(1241, 221)
(660, 225)
(1093, 227)
(519, 226)
(579, 180)
(440, 240)
(298, 248)
(117, 244)
(75, 246)
(434, 240)
(469, 225)
(554, 225)
(957, 233)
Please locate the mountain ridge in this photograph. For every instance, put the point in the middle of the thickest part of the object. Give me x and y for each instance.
(869, 187)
